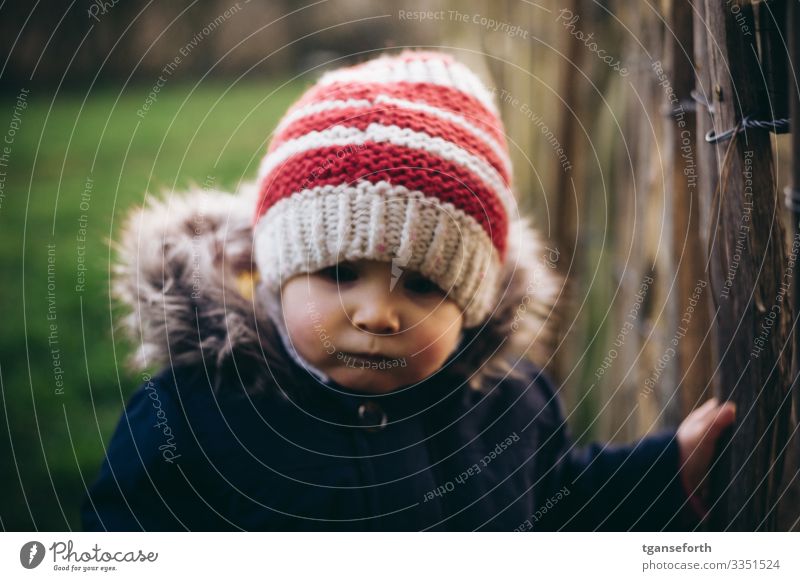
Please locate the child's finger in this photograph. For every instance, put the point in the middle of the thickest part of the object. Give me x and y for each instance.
(727, 412)
(701, 415)
(725, 416)
(707, 407)
(711, 405)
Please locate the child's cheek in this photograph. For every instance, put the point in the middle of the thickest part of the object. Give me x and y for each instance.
(302, 320)
(435, 344)
(298, 331)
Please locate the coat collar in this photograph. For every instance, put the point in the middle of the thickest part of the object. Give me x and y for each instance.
(329, 401)
(178, 274)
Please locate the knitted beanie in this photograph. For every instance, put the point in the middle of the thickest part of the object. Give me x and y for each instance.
(403, 159)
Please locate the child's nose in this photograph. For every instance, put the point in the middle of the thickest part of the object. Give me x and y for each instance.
(375, 313)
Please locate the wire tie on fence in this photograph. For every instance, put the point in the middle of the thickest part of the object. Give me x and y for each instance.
(774, 125)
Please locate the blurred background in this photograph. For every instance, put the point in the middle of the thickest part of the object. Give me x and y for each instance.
(101, 102)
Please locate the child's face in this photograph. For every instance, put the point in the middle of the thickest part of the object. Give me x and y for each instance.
(332, 316)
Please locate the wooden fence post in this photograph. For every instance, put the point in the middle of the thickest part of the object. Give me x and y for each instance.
(747, 259)
(695, 357)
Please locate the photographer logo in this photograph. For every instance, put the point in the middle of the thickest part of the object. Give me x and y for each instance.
(31, 554)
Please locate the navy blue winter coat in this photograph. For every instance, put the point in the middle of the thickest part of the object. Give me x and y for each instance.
(183, 458)
(233, 435)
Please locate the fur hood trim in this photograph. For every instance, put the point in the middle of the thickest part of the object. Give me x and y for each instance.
(178, 272)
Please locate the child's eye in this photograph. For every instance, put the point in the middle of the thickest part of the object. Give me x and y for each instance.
(338, 273)
(421, 285)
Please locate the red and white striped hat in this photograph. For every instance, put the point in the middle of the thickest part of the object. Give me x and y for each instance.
(402, 158)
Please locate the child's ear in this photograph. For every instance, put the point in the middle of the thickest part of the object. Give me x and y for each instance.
(246, 282)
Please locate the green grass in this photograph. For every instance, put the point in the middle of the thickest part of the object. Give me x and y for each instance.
(216, 130)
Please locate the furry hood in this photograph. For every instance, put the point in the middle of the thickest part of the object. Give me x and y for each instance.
(181, 274)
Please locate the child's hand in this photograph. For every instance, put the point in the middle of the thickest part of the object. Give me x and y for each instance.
(697, 436)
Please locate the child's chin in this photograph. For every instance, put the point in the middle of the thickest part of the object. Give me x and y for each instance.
(368, 380)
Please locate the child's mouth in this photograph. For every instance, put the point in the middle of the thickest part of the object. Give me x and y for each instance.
(368, 357)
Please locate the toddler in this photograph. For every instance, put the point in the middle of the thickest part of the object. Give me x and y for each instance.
(348, 342)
